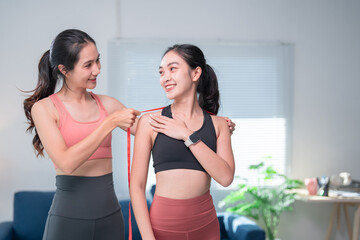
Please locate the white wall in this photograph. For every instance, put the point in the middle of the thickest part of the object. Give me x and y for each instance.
(326, 115)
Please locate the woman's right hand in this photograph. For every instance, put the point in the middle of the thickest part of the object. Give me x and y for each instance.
(124, 118)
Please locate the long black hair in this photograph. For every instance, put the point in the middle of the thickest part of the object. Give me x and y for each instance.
(208, 90)
(64, 50)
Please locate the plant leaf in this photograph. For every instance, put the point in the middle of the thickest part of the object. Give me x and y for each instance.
(257, 166)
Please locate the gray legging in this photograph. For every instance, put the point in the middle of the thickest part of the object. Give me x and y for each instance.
(84, 208)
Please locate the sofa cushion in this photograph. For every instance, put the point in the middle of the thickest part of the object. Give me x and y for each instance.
(6, 230)
(223, 233)
(30, 213)
(240, 227)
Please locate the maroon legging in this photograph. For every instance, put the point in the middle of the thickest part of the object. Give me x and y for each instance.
(184, 219)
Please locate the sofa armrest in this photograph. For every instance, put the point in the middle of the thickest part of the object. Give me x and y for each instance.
(6, 230)
(237, 227)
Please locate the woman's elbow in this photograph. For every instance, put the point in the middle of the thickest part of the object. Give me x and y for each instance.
(131, 189)
(226, 181)
(66, 168)
(136, 188)
(67, 171)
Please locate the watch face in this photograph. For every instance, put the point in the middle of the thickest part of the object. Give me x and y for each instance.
(194, 137)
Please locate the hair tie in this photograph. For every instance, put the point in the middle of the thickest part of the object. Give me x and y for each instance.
(50, 50)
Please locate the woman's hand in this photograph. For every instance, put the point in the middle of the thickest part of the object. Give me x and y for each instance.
(175, 127)
(172, 127)
(125, 118)
(230, 124)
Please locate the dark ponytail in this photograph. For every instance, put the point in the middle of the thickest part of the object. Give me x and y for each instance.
(208, 90)
(64, 50)
(209, 96)
(45, 87)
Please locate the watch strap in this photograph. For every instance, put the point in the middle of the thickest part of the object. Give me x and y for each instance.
(188, 142)
(192, 139)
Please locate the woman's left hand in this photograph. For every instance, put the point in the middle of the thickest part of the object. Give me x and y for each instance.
(231, 125)
(171, 127)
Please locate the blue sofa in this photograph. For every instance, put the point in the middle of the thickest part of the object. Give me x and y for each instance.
(31, 209)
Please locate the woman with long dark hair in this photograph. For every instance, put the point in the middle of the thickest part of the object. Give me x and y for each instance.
(189, 147)
(74, 127)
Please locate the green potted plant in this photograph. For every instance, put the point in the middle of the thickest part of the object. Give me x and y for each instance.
(262, 201)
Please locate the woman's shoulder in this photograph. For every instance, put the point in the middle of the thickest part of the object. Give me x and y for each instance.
(111, 104)
(144, 121)
(220, 124)
(44, 106)
(218, 120)
(105, 98)
(46, 103)
(146, 117)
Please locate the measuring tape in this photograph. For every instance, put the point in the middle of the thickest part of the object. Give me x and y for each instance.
(129, 163)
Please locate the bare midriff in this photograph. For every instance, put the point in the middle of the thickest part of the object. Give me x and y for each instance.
(182, 183)
(91, 168)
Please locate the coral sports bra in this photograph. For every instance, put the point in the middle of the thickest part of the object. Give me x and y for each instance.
(74, 131)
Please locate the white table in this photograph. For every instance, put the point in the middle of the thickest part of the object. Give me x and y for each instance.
(303, 195)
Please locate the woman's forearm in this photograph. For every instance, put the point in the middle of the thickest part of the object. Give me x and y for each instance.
(141, 212)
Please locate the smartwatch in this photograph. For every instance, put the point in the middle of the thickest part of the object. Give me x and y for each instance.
(192, 139)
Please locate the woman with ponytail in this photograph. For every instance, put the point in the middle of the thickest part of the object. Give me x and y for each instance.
(189, 147)
(74, 127)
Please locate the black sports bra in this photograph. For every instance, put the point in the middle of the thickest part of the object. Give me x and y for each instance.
(169, 153)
